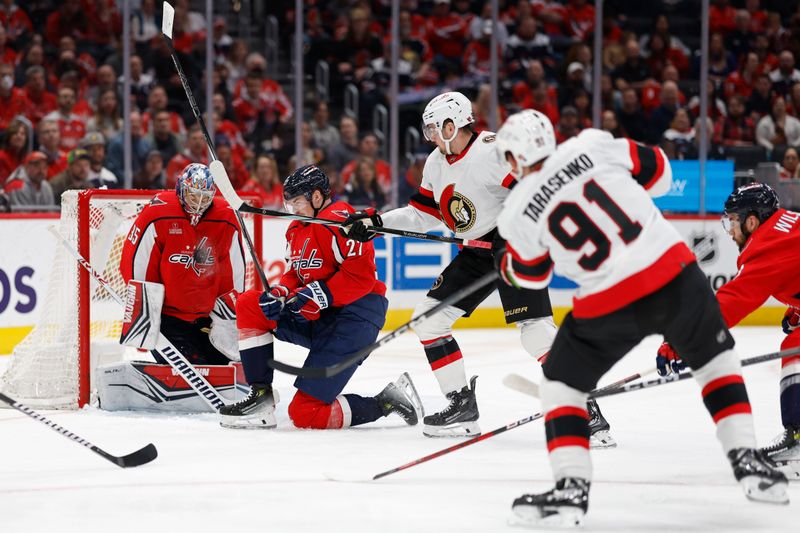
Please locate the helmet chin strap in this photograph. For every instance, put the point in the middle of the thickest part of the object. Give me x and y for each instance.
(448, 141)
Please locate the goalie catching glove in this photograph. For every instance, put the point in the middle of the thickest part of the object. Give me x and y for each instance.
(358, 225)
(224, 335)
(668, 361)
(307, 302)
(141, 322)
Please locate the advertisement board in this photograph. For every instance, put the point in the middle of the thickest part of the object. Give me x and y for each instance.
(684, 193)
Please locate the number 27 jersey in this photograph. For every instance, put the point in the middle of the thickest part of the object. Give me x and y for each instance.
(587, 213)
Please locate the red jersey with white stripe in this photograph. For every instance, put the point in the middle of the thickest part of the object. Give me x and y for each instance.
(196, 264)
(72, 128)
(767, 267)
(465, 191)
(587, 213)
(320, 253)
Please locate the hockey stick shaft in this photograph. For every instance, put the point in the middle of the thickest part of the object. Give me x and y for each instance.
(166, 30)
(498, 431)
(139, 457)
(163, 346)
(686, 375)
(326, 372)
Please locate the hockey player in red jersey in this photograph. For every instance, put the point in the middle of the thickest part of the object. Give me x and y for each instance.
(584, 208)
(329, 301)
(769, 242)
(463, 186)
(189, 242)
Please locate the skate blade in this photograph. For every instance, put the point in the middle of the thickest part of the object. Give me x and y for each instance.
(790, 469)
(601, 439)
(405, 383)
(458, 429)
(531, 516)
(758, 490)
(239, 422)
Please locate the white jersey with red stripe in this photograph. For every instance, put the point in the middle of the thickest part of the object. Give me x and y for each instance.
(587, 214)
(465, 191)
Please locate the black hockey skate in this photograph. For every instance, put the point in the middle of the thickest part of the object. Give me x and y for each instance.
(599, 428)
(459, 419)
(784, 452)
(255, 411)
(760, 481)
(563, 506)
(401, 397)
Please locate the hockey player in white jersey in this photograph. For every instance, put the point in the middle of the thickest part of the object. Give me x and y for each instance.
(584, 209)
(463, 186)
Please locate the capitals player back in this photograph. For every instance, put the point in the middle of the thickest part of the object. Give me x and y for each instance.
(588, 213)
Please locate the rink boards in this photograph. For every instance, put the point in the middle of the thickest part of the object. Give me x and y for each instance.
(408, 267)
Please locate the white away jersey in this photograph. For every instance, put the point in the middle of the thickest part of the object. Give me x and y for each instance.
(465, 191)
(587, 213)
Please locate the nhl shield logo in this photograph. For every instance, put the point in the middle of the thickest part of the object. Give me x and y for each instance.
(458, 211)
(704, 246)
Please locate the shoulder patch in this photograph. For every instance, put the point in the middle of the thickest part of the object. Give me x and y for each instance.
(157, 201)
(489, 139)
(341, 213)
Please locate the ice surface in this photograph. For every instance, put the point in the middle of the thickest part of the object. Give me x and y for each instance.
(668, 473)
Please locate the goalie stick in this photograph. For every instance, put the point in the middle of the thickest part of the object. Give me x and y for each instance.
(328, 371)
(163, 346)
(166, 30)
(137, 458)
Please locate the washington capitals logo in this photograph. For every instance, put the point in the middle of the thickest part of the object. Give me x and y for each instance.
(300, 262)
(199, 261)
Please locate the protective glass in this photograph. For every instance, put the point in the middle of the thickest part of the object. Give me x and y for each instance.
(296, 205)
(729, 221)
(430, 132)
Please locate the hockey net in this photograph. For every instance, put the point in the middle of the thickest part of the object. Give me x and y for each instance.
(80, 323)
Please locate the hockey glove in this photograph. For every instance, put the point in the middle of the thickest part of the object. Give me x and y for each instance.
(272, 301)
(668, 361)
(357, 225)
(502, 262)
(307, 302)
(791, 320)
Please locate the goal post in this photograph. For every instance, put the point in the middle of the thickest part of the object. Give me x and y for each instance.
(79, 323)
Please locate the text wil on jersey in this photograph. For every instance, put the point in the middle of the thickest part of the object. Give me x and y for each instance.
(562, 177)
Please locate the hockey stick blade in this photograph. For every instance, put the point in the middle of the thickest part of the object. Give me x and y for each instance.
(137, 458)
(225, 187)
(493, 433)
(521, 384)
(167, 19)
(328, 371)
(686, 375)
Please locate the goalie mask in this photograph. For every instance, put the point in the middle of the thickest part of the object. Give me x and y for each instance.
(195, 190)
(452, 106)
(528, 136)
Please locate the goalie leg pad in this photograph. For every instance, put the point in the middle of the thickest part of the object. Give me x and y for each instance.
(141, 321)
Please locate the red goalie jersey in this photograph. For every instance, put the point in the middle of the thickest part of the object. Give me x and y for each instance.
(196, 264)
(319, 253)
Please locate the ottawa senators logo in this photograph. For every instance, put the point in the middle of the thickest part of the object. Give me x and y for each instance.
(458, 211)
(437, 283)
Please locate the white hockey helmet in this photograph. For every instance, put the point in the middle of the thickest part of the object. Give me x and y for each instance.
(528, 136)
(452, 106)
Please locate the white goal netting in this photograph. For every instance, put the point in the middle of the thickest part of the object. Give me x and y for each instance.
(79, 323)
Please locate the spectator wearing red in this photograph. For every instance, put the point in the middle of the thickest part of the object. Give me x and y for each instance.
(567, 126)
(758, 17)
(13, 148)
(234, 166)
(741, 81)
(41, 102)
(523, 90)
(446, 33)
(195, 152)
(716, 106)
(265, 181)
(230, 130)
(104, 23)
(790, 166)
(157, 101)
(69, 19)
(12, 99)
(72, 127)
(15, 21)
(721, 16)
(580, 19)
(75, 176)
(661, 55)
(8, 55)
(108, 117)
(368, 146)
(553, 15)
(543, 100)
(476, 61)
(363, 190)
(767, 61)
(651, 91)
(256, 107)
(50, 144)
(736, 129)
(785, 75)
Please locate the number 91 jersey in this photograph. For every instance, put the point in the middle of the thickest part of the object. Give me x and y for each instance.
(588, 213)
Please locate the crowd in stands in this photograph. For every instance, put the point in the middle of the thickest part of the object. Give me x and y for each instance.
(61, 80)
